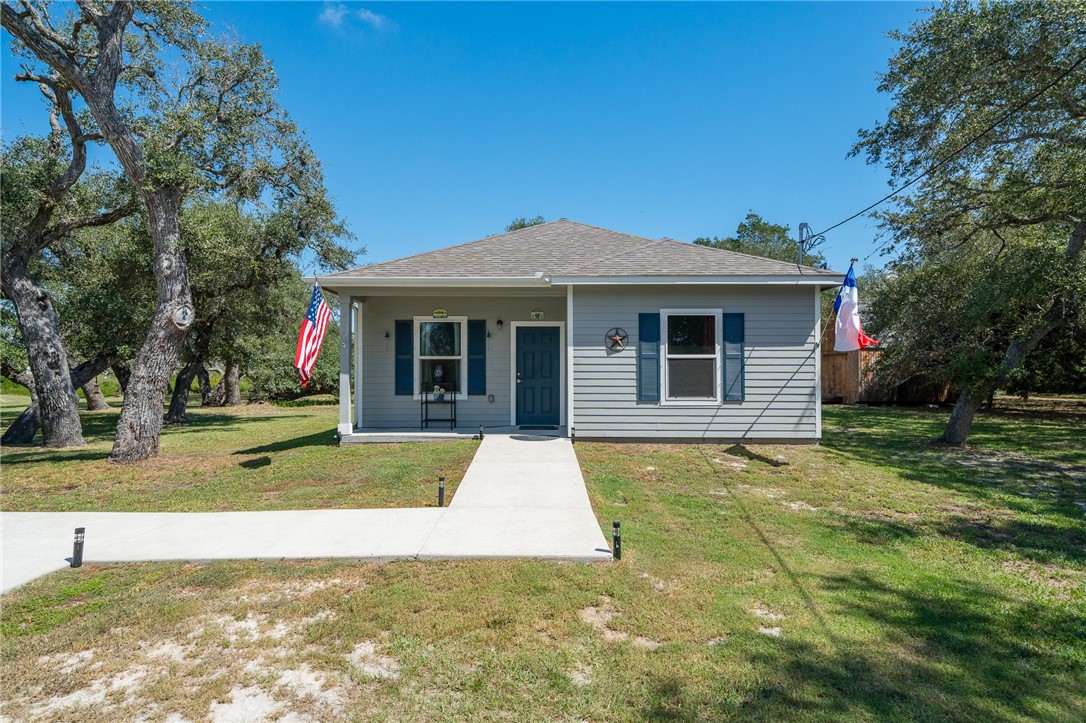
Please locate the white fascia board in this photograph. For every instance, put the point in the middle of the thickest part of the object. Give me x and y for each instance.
(826, 281)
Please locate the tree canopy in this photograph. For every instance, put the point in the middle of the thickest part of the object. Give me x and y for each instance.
(758, 237)
(989, 104)
(185, 113)
(522, 222)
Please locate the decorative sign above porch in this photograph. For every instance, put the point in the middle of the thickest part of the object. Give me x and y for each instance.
(615, 339)
(537, 315)
(441, 313)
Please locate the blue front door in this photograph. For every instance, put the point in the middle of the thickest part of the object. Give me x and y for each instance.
(539, 382)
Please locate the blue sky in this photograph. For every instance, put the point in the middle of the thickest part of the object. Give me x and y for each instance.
(439, 123)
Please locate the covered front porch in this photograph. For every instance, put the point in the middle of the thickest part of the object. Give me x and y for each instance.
(439, 363)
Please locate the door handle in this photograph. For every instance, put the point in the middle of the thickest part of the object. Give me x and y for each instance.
(519, 380)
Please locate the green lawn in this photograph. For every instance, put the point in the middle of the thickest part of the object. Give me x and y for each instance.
(253, 457)
(874, 577)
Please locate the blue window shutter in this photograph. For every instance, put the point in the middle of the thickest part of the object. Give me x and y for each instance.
(405, 374)
(648, 357)
(733, 358)
(476, 356)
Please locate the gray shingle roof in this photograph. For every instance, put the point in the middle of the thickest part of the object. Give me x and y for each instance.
(566, 248)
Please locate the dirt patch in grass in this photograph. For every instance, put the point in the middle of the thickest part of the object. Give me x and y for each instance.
(244, 657)
(370, 662)
(600, 617)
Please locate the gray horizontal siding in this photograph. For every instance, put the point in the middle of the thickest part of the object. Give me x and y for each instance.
(780, 349)
(383, 409)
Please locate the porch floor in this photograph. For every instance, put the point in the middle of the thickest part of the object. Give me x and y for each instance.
(367, 435)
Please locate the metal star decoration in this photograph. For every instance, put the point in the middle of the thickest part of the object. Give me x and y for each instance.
(616, 339)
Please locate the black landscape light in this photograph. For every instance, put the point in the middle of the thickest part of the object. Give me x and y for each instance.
(441, 491)
(77, 548)
(616, 538)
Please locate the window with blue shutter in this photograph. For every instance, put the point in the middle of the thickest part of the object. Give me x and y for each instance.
(405, 373)
(733, 358)
(648, 357)
(476, 356)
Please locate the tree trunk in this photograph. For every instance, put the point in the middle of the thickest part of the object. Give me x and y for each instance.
(179, 401)
(961, 419)
(96, 401)
(27, 424)
(232, 389)
(58, 406)
(204, 378)
(140, 422)
(122, 372)
(1058, 314)
(23, 429)
(217, 397)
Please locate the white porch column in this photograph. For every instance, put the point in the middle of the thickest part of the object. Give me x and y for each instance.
(358, 366)
(818, 362)
(345, 364)
(569, 359)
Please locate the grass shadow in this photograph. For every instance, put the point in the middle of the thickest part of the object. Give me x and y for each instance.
(256, 463)
(874, 531)
(1016, 468)
(1048, 543)
(326, 438)
(949, 649)
(36, 454)
(738, 450)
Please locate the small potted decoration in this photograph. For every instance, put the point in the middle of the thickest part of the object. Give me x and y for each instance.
(439, 394)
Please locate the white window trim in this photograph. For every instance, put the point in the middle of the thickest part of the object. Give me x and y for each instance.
(416, 359)
(718, 314)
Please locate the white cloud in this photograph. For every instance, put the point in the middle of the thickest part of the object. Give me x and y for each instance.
(379, 22)
(335, 13)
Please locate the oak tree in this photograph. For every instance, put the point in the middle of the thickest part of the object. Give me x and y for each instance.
(758, 237)
(47, 195)
(183, 112)
(989, 112)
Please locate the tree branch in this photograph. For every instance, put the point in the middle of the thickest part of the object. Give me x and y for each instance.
(42, 25)
(110, 44)
(62, 228)
(47, 48)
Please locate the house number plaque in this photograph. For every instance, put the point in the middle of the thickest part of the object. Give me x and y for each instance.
(441, 313)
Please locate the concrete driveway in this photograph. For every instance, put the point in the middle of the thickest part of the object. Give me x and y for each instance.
(522, 496)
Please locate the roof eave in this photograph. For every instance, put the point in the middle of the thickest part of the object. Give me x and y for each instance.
(469, 282)
(823, 280)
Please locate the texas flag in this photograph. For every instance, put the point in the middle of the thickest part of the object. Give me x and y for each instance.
(850, 335)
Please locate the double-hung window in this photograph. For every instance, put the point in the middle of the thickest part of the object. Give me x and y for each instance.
(439, 355)
(691, 358)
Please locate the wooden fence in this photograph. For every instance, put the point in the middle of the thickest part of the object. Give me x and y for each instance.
(848, 377)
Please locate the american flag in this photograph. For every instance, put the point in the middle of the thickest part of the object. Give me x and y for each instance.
(311, 335)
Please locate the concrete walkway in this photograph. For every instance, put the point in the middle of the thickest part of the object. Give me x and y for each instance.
(522, 496)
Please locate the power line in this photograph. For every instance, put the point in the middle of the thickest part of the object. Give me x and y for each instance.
(968, 143)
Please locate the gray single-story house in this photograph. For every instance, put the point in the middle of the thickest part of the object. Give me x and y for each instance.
(584, 331)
